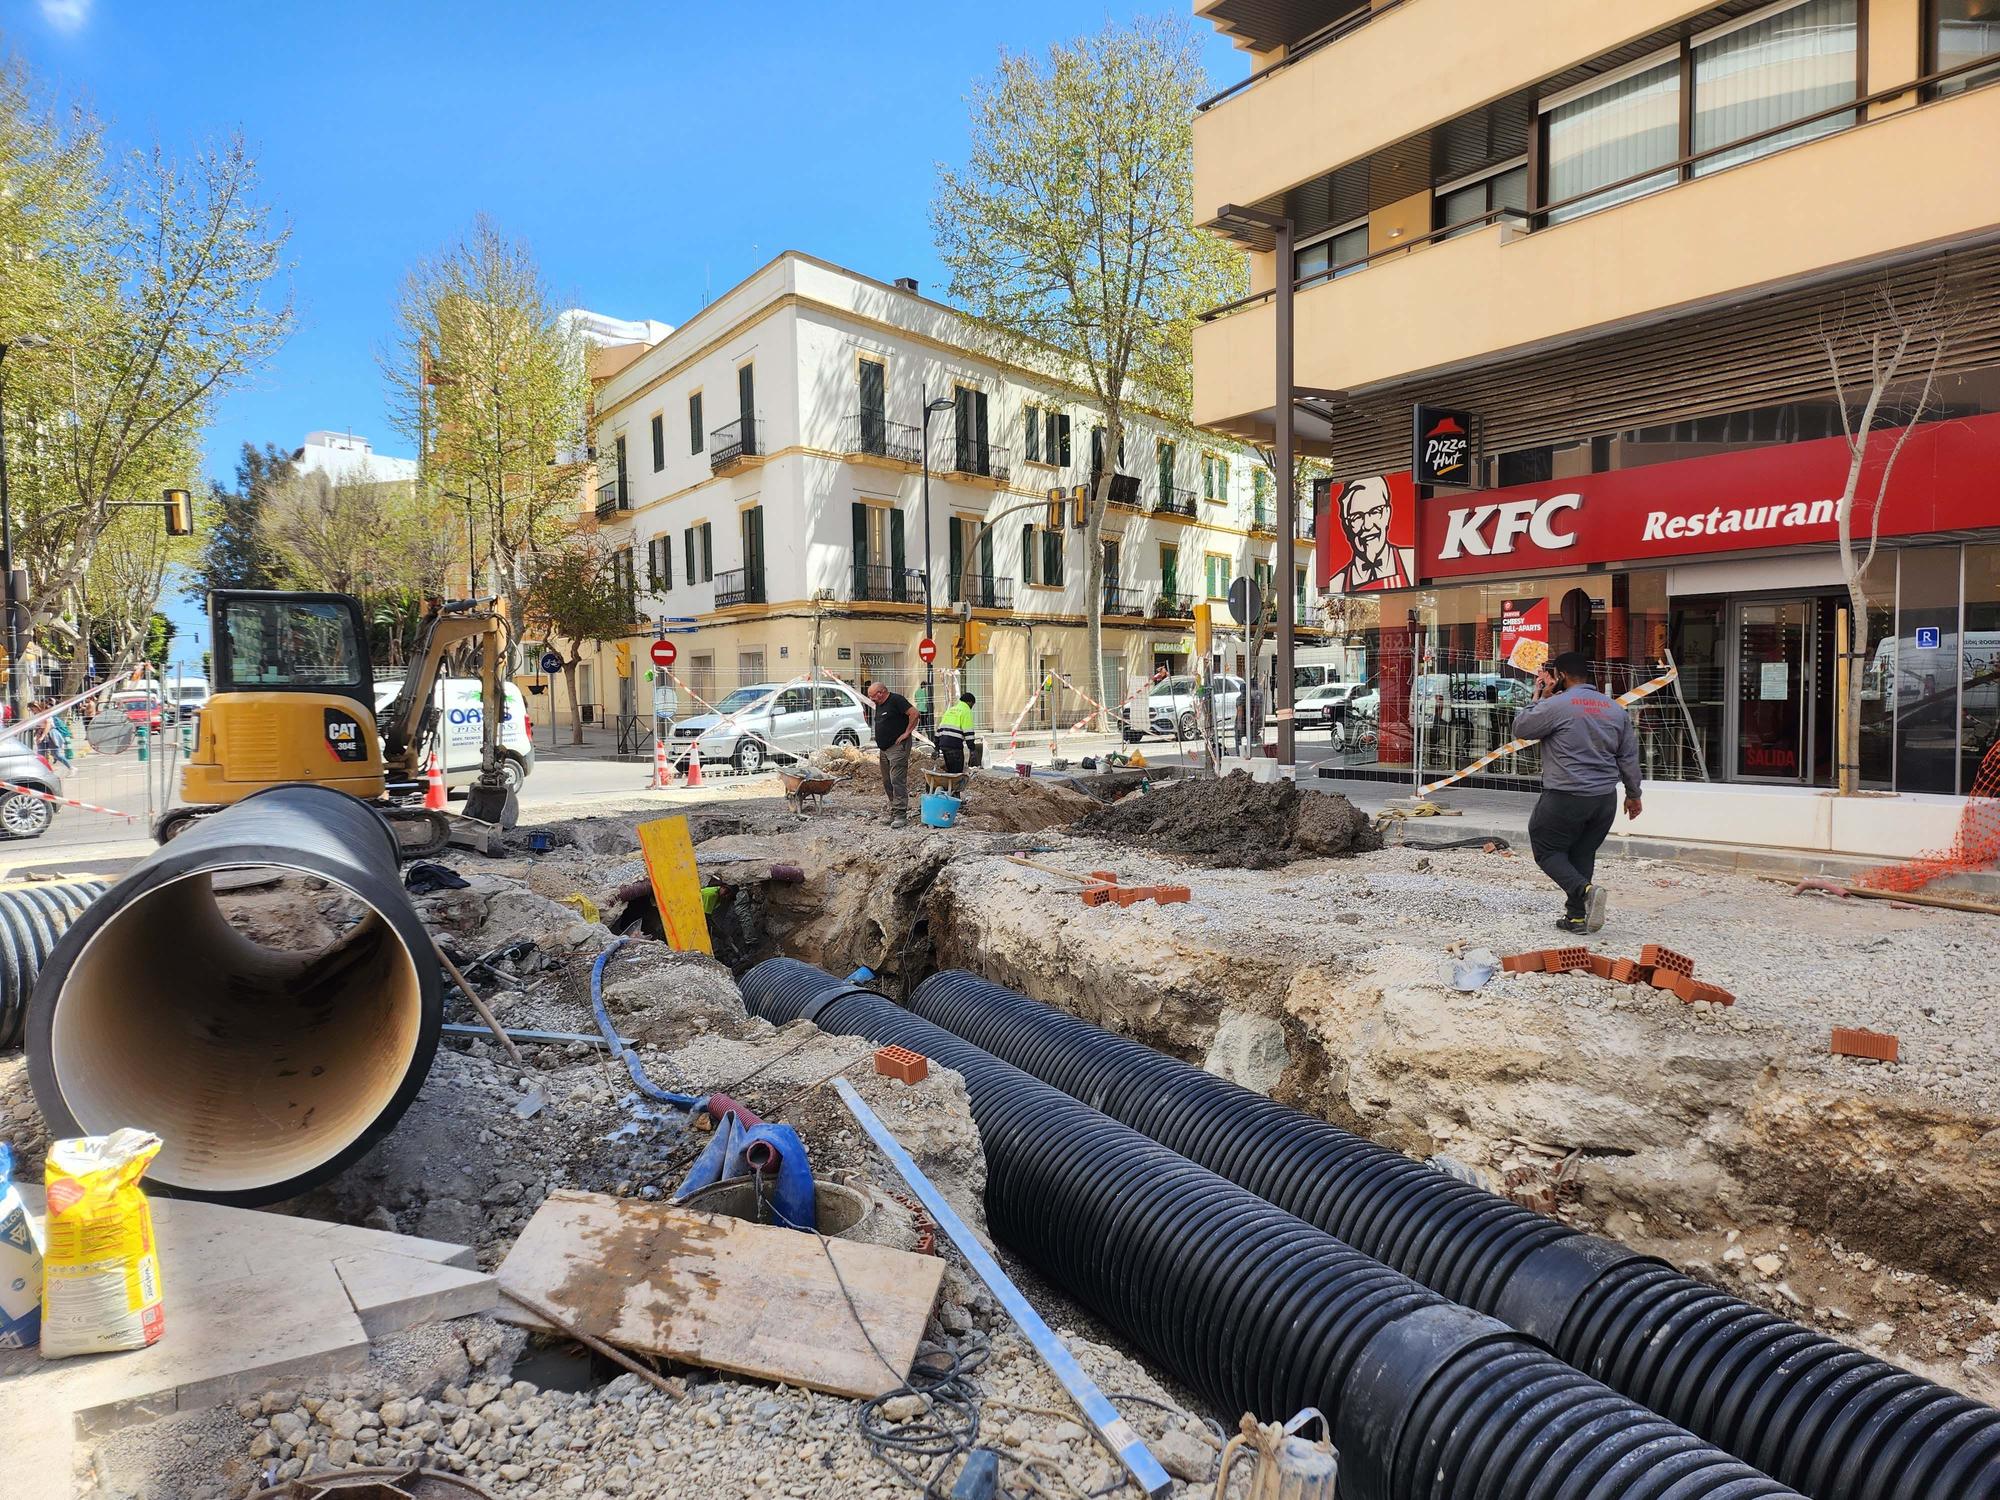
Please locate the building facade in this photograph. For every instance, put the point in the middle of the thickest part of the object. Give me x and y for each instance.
(1617, 255)
(762, 471)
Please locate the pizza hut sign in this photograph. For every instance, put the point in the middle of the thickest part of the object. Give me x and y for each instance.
(1777, 497)
(1442, 449)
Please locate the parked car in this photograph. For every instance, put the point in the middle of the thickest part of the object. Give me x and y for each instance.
(463, 726)
(770, 720)
(1328, 704)
(1170, 709)
(23, 816)
(141, 706)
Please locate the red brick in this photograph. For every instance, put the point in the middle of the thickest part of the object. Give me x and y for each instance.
(901, 1064)
(1126, 895)
(1858, 1042)
(1109, 877)
(1665, 958)
(1626, 970)
(1562, 960)
(1523, 963)
(1714, 994)
(1096, 895)
(1662, 979)
(1172, 895)
(1600, 965)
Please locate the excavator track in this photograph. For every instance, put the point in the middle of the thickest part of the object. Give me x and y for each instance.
(420, 832)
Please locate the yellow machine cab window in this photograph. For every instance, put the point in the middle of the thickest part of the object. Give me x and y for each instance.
(278, 642)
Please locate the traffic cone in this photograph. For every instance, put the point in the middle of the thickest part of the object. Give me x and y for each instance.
(694, 767)
(434, 797)
(663, 772)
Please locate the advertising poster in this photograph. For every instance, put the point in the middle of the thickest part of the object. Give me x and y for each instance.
(1524, 633)
(1370, 543)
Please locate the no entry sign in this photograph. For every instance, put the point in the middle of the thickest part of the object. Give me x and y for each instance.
(663, 653)
(927, 649)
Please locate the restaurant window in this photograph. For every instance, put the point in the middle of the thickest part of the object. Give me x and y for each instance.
(1607, 134)
(1764, 71)
(1919, 666)
(1344, 247)
(1979, 664)
(1962, 31)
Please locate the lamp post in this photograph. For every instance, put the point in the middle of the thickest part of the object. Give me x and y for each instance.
(931, 408)
(19, 341)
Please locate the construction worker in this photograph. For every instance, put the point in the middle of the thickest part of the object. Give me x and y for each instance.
(1588, 748)
(955, 733)
(895, 720)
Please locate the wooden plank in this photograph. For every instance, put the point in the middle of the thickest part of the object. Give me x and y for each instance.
(723, 1293)
(669, 854)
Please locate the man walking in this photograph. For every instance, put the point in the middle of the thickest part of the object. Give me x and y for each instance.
(1588, 748)
(895, 721)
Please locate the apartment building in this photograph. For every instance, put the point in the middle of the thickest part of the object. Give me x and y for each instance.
(1601, 247)
(763, 467)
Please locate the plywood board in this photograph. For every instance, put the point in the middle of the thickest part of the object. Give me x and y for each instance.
(723, 1293)
(670, 866)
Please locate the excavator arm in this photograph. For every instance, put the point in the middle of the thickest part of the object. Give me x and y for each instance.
(403, 721)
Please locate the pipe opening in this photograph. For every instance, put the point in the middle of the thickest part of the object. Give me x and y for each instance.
(256, 1047)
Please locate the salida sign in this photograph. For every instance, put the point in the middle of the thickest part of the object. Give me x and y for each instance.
(1778, 496)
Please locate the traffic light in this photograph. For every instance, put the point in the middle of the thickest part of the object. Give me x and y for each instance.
(1079, 501)
(1056, 508)
(622, 658)
(1204, 630)
(180, 512)
(971, 641)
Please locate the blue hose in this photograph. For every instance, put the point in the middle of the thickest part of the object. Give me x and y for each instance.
(640, 1081)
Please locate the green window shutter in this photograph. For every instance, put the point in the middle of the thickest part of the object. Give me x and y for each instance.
(693, 574)
(1062, 432)
(986, 552)
(1031, 435)
(860, 550)
(957, 529)
(694, 423)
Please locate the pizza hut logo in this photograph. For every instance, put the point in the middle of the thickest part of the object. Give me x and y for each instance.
(1447, 448)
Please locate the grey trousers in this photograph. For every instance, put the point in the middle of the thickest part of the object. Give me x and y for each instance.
(896, 778)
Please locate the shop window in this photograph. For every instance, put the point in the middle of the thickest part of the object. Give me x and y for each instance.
(1962, 31)
(1979, 665)
(1922, 669)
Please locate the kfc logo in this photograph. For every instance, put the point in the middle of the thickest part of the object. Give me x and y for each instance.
(1377, 530)
(1492, 530)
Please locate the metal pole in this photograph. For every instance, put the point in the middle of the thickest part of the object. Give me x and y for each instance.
(7, 567)
(930, 667)
(1287, 502)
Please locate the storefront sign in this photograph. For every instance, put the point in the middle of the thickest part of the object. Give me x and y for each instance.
(1441, 447)
(1373, 546)
(1779, 496)
(1524, 633)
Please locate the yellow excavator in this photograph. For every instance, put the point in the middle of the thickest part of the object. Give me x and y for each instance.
(293, 700)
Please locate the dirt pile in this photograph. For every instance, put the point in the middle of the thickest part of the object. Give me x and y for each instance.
(995, 801)
(1236, 821)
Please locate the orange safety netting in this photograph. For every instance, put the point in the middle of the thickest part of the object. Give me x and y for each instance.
(1976, 846)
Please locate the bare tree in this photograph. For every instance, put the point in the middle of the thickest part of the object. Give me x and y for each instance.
(1884, 360)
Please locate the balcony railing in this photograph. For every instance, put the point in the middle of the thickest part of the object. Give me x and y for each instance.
(1264, 518)
(871, 434)
(1174, 501)
(1124, 490)
(1173, 606)
(985, 592)
(733, 441)
(1302, 523)
(874, 581)
(969, 456)
(739, 586)
(1123, 601)
(612, 498)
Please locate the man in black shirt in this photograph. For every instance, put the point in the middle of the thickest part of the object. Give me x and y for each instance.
(895, 722)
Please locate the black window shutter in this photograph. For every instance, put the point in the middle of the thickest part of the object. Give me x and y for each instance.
(1031, 434)
(1097, 450)
(1062, 432)
(986, 552)
(860, 550)
(896, 586)
(708, 551)
(957, 528)
(694, 422)
(753, 550)
(659, 442)
(1029, 574)
(694, 574)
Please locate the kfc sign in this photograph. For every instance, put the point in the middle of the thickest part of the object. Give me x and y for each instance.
(1441, 453)
(1762, 498)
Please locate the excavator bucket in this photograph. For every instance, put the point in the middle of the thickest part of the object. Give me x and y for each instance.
(492, 802)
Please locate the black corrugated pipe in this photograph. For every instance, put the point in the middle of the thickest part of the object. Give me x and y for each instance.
(32, 917)
(1829, 1420)
(264, 1070)
(1258, 1311)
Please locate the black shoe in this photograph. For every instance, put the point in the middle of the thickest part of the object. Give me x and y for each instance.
(1594, 900)
(1571, 924)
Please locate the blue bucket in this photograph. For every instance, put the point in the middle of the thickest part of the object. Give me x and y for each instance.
(939, 810)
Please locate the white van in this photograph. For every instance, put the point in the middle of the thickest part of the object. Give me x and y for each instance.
(187, 695)
(462, 725)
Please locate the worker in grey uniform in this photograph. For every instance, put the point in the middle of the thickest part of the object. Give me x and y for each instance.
(1588, 749)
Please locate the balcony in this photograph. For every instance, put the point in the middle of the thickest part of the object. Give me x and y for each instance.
(1124, 490)
(969, 458)
(986, 592)
(1759, 228)
(878, 584)
(1123, 601)
(1264, 520)
(738, 586)
(1174, 501)
(1302, 519)
(1170, 606)
(612, 498)
(868, 435)
(733, 445)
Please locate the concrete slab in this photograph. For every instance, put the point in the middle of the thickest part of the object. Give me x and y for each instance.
(393, 1291)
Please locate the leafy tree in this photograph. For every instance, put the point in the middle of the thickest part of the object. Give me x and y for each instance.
(234, 555)
(1070, 232)
(579, 596)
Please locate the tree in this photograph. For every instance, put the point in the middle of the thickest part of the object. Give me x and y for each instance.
(1885, 355)
(578, 595)
(1070, 233)
(490, 382)
(235, 555)
(331, 534)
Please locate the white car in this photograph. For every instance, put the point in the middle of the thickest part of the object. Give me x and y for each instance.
(1326, 705)
(770, 720)
(1171, 709)
(461, 723)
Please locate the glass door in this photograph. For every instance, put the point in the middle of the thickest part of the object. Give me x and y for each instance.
(1772, 733)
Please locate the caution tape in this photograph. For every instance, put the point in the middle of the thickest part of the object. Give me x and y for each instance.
(117, 680)
(1014, 729)
(1514, 747)
(10, 786)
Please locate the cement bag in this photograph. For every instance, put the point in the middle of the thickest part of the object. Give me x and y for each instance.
(20, 1264)
(100, 1268)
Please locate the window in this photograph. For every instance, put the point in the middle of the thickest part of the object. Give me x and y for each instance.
(1260, 489)
(880, 568)
(624, 494)
(974, 455)
(700, 547)
(286, 643)
(1052, 558)
(1762, 72)
(694, 422)
(1962, 30)
(1611, 131)
(1343, 247)
(1170, 569)
(659, 441)
(1468, 201)
(1164, 456)
(1299, 593)
(623, 579)
(1215, 574)
(1031, 571)
(1041, 556)
(660, 564)
(1055, 432)
(750, 533)
(1262, 572)
(872, 377)
(1031, 434)
(1214, 478)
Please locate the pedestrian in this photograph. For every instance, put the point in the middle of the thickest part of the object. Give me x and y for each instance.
(895, 721)
(1588, 748)
(955, 733)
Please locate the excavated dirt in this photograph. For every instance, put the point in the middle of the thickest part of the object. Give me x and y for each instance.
(994, 801)
(1236, 820)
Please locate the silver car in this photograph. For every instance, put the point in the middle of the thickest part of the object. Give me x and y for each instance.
(22, 814)
(1171, 709)
(772, 721)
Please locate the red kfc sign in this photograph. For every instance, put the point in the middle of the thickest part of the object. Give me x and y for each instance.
(1778, 496)
(1366, 534)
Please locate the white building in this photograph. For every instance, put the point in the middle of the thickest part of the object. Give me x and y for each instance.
(343, 455)
(763, 463)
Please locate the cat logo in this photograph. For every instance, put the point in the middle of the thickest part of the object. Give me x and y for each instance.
(344, 738)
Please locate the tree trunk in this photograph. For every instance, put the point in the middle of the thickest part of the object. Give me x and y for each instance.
(1847, 775)
(575, 707)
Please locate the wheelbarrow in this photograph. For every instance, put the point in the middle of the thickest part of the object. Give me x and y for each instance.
(807, 787)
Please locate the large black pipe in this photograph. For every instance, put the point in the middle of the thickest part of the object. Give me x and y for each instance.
(32, 919)
(263, 1070)
(1829, 1420)
(1256, 1310)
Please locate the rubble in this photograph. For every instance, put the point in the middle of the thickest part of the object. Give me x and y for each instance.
(1236, 820)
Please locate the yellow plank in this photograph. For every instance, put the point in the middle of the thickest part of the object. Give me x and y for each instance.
(723, 1293)
(676, 887)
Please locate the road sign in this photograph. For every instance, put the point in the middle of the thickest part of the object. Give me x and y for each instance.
(663, 653)
(927, 650)
(551, 663)
(1927, 637)
(1246, 601)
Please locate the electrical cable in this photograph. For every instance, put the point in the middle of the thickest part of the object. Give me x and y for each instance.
(619, 1050)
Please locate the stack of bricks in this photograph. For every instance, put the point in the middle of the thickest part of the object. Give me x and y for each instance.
(1104, 889)
(1656, 965)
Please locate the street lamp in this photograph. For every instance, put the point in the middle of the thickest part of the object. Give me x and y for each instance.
(19, 341)
(931, 408)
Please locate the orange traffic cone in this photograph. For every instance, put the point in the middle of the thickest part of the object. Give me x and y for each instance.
(434, 797)
(694, 768)
(663, 771)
